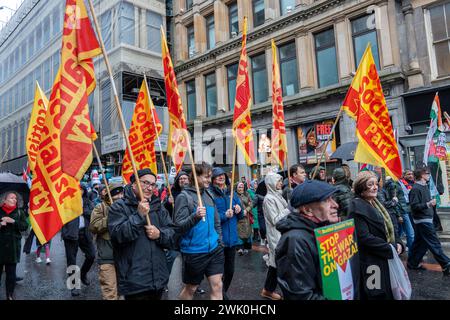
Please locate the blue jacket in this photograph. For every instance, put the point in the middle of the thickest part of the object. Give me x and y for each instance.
(229, 225)
(197, 236)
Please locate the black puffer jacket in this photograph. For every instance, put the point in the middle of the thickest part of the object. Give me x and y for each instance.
(140, 262)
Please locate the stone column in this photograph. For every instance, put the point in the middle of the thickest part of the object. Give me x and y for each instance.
(272, 9)
(221, 27)
(385, 36)
(200, 96)
(143, 30)
(415, 77)
(222, 93)
(182, 92)
(245, 10)
(200, 33)
(136, 27)
(305, 59)
(343, 49)
(269, 71)
(180, 42)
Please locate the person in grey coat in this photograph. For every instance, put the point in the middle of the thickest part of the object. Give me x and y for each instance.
(139, 257)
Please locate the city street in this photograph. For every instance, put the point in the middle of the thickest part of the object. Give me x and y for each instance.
(47, 282)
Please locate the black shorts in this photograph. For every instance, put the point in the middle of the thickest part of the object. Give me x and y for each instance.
(197, 265)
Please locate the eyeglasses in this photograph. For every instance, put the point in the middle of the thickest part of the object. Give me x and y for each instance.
(147, 184)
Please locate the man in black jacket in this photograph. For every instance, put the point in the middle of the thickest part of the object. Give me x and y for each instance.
(423, 209)
(76, 234)
(138, 248)
(297, 255)
(344, 194)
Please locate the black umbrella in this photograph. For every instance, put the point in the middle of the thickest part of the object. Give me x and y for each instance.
(11, 182)
(345, 151)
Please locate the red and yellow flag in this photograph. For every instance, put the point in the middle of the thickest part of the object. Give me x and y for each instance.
(142, 135)
(79, 46)
(178, 135)
(55, 196)
(242, 122)
(279, 143)
(365, 102)
(36, 126)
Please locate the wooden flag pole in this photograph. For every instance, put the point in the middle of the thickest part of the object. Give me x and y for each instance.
(159, 143)
(232, 174)
(119, 107)
(200, 202)
(328, 141)
(4, 156)
(288, 170)
(102, 171)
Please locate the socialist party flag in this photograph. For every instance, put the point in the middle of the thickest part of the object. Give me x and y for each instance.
(242, 122)
(142, 135)
(178, 135)
(79, 46)
(279, 143)
(365, 102)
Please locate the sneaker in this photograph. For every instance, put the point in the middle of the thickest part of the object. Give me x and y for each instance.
(85, 280)
(75, 292)
(48, 261)
(19, 279)
(200, 291)
(38, 260)
(245, 251)
(446, 270)
(240, 252)
(262, 242)
(270, 295)
(419, 267)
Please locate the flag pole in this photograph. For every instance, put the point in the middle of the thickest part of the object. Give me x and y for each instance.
(288, 170)
(328, 141)
(232, 173)
(119, 107)
(159, 143)
(102, 171)
(4, 156)
(200, 202)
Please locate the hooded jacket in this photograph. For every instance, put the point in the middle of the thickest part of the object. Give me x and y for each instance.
(140, 262)
(197, 236)
(297, 259)
(275, 208)
(343, 195)
(176, 190)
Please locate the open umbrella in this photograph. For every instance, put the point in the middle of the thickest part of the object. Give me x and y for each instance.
(11, 182)
(345, 151)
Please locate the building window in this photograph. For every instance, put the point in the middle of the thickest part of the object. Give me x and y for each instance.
(22, 94)
(211, 94)
(287, 6)
(191, 102)
(191, 40)
(233, 19)
(46, 30)
(107, 108)
(56, 20)
(30, 45)
(258, 13)
(38, 37)
(189, 4)
(288, 69)
(439, 17)
(15, 142)
(38, 75)
(16, 96)
(362, 34)
(232, 72)
(30, 88)
(327, 72)
(210, 33)
(10, 101)
(259, 77)
(47, 74)
(154, 22)
(105, 25)
(126, 22)
(24, 53)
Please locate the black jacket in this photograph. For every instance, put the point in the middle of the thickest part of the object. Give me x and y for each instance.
(418, 198)
(343, 196)
(140, 262)
(71, 229)
(176, 190)
(374, 250)
(297, 259)
(10, 236)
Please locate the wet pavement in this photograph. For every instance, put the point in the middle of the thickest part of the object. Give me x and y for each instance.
(48, 282)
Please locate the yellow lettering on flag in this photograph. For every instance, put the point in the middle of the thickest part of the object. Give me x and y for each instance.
(77, 81)
(242, 122)
(365, 102)
(279, 143)
(142, 135)
(36, 126)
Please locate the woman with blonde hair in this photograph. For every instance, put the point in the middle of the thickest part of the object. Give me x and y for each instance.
(12, 222)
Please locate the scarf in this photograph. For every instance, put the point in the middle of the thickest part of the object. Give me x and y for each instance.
(387, 220)
(8, 209)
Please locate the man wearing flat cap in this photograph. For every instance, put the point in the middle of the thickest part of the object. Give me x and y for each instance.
(139, 257)
(297, 255)
(105, 258)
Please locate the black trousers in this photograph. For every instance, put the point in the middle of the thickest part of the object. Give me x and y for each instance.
(147, 295)
(86, 244)
(271, 279)
(10, 282)
(230, 253)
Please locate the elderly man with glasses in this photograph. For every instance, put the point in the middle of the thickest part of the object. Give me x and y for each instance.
(138, 248)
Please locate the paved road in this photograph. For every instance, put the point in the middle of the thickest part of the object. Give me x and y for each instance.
(47, 282)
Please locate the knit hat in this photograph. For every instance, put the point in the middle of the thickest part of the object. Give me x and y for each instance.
(142, 173)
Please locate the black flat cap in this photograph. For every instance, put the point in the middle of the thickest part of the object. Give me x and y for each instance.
(311, 191)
